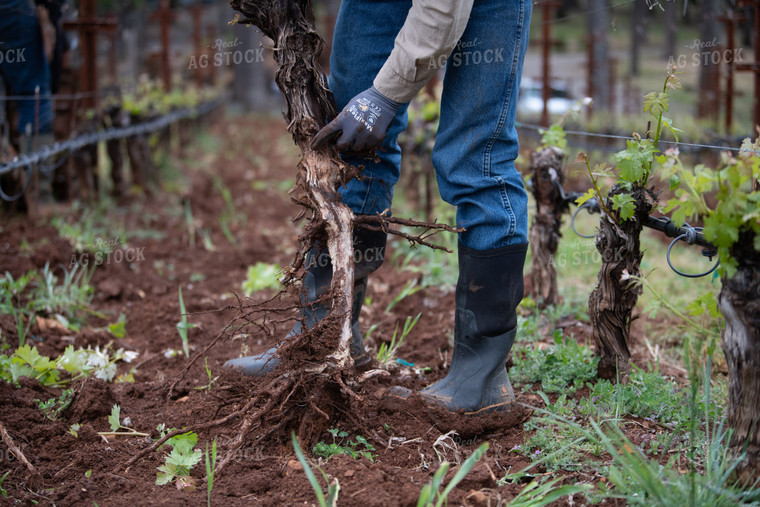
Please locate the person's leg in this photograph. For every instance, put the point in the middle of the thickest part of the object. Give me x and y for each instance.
(365, 32)
(474, 158)
(25, 67)
(477, 144)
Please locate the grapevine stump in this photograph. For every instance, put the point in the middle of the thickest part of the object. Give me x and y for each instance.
(611, 304)
(739, 302)
(546, 172)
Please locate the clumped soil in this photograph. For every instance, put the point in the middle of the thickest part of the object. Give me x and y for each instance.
(255, 162)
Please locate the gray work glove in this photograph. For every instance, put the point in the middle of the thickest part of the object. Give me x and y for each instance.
(362, 123)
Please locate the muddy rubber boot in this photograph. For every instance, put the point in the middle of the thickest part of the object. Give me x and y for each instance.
(369, 253)
(489, 288)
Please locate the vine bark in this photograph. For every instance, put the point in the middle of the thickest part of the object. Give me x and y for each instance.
(297, 45)
(611, 303)
(546, 171)
(739, 302)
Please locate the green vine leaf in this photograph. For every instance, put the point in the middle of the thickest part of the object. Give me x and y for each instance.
(554, 136)
(656, 103)
(585, 197)
(634, 161)
(624, 204)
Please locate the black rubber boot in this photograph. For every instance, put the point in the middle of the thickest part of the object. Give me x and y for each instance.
(369, 253)
(489, 288)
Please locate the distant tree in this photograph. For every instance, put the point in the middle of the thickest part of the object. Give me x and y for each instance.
(671, 21)
(638, 34)
(598, 22)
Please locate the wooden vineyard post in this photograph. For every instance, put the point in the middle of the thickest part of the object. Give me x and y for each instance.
(165, 17)
(611, 303)
(546, 174)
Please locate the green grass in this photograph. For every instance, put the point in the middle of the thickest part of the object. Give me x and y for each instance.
(562, 367)
(661, 402)
(700, 470)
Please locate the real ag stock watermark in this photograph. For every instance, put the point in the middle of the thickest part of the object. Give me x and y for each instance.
(706, 53)
(582, 253)
(108, 252)
(12, 55)
(468, 53)
(226, 54)
(371, 254)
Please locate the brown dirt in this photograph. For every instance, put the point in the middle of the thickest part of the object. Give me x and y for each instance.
(253, 161)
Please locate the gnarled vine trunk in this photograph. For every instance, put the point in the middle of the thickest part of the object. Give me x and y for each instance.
(546, 173)
(611, 304)
(739, 302)
(297, 45)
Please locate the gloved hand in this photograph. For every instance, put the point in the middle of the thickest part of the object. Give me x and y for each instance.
(362, 123)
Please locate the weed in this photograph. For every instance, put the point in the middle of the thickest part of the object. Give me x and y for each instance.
(538, 494)
(119, 428)
(211, 380)
(208, 243)
(359, 448)
(119, 328)
(66, 300)
(387, 351)
(641, 481)
(556, 448)
(74, 430)
(563, 367)
(40, 294)
(183, 325)
(11, 292)
(370, 330)
(333, 488)
(197, 277)
(190, 224)
(86, 233)
(230, 214)
(647, 395)
(179, 462)
(49, 406)
(410, 288)
(261, 276)
(101, 363)
(2, 480)
(210, 468)
(27, 362)
(431, 492)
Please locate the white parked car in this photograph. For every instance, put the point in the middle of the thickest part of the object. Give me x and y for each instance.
(530, 103)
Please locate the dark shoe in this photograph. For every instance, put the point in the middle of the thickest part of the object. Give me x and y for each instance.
(369, 253)
(489, 288)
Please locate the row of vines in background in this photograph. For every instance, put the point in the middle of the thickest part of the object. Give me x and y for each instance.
(725, 200)
(132, 160)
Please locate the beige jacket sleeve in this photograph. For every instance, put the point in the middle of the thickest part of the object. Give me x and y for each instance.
(429, 35)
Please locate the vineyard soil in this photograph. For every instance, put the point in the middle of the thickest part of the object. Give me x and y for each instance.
(255, 162)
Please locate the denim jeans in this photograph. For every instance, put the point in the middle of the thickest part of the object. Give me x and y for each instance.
(24, 65)
(476, 143)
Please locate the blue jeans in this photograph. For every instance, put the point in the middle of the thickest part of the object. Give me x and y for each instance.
(476, 144)
(24, 65)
